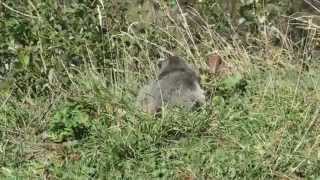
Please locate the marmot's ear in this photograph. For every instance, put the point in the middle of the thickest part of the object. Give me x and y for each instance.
(161, 62)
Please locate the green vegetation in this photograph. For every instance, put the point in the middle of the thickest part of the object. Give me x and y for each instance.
(70, 71)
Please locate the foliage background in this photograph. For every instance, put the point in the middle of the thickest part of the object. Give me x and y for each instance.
(70, 71)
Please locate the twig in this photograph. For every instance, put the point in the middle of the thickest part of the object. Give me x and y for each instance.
(315, 118)
(18, 12)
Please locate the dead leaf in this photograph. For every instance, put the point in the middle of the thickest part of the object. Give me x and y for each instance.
(214, 63)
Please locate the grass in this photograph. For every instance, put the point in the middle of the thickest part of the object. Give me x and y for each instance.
(67, 106)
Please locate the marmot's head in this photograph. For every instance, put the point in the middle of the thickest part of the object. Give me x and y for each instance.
(175, 64)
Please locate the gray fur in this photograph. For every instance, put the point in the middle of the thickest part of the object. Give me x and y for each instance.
(177, 85)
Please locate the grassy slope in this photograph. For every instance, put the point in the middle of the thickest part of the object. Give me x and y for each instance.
(269, 129)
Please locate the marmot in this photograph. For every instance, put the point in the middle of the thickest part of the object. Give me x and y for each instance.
(177, 84)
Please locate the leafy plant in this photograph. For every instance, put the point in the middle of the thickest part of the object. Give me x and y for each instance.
(70, 122)
(233, 84)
